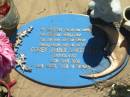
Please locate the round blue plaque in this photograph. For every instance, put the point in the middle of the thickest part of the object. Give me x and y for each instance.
(62, 47)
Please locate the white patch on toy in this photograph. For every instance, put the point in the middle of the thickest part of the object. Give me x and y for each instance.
(107, 10)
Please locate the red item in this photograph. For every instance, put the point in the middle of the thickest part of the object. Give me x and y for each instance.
(8, 86)
(4, 9)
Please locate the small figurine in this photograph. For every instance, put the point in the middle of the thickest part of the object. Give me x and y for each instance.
(110, 15)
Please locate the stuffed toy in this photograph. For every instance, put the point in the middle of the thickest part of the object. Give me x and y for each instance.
(107, 10)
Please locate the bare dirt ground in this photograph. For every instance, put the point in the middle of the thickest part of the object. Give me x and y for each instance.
(31, 9)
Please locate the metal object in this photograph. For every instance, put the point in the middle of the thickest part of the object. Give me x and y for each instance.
(22, 63)
(21, 57)
(25, 68)
(25, 33)
(20, 36)
(18, 43)
(126, 17)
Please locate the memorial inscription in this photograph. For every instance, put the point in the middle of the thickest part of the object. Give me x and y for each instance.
(61, 43)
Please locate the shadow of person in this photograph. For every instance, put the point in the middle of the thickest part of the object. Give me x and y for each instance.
(94, 49)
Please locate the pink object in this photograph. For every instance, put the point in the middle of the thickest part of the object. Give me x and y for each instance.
(7, 55)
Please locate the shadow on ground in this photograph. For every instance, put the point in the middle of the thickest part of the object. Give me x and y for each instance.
(94, 50)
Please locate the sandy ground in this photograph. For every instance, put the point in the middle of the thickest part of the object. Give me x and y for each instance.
(31, 9)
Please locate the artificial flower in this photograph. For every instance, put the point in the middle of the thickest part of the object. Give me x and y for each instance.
(7, 55)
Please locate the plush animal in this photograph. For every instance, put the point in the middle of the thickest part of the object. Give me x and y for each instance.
(107, 10)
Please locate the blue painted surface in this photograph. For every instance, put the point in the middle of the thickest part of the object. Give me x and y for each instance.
(91, 55)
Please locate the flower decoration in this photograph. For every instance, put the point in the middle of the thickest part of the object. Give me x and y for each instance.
(7, 55)
(21, 58)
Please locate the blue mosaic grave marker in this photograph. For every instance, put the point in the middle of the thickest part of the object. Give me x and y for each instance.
(61, 48)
